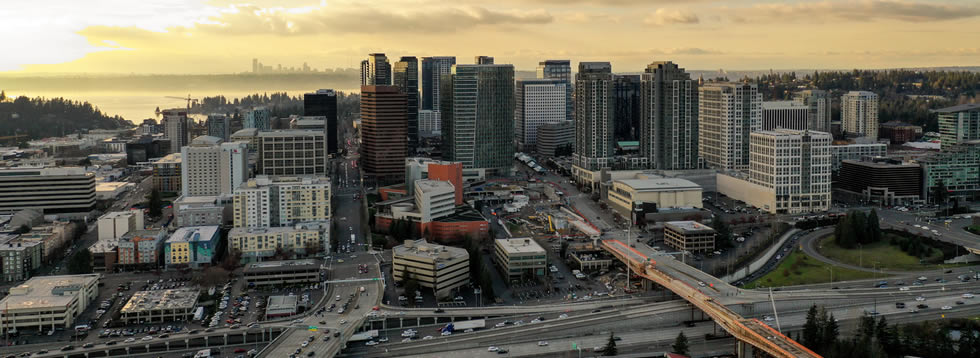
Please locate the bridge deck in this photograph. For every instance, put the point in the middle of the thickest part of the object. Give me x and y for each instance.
(678, 278)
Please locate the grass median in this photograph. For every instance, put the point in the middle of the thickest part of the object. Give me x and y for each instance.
(882, 255)
(801, 269)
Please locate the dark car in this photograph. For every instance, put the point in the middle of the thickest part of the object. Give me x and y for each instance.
(502, 351)
(922, 306)
(439, 310)
(67, 348)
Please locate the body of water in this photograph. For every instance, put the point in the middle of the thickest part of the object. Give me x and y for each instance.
(137, 106)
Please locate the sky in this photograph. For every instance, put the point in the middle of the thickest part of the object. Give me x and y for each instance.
(222, 36)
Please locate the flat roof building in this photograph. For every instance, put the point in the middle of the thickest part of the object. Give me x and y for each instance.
(51, 190)
(292, 152)
(880, 182)
(193, 246)
(171, 305)
(271, 201)
(202, 210)
(281, 273)
(627, 194)
(519, 259)
(46, 303)
(115, 224)
(440, 268)
(256, 244)
(281, 306)
(689, 236)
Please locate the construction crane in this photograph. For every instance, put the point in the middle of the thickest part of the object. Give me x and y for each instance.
(188, 99)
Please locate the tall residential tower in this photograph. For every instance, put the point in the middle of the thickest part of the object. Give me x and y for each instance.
(594, 113)
(669, 117)
(478, 116)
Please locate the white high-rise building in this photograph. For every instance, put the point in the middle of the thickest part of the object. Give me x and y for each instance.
(859, 113)
(212, 168)
(728, 113)
(538, 102)
(114, 225)
(789, 172)
(281, 201)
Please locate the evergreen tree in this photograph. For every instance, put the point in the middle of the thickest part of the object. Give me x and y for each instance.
(80, 262)
(811, 329)
(830, 332)
(680, 344)
(155, 204)
(723, 234)
(939, 193)
(874, 227)
(610, 349)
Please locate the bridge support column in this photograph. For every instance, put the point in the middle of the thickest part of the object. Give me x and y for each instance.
(187, 344)
(244, 337)
(226, 338)
(743, 350)
(167, 344)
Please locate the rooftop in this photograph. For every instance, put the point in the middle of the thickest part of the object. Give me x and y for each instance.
(272, 266)
(520, 246)
(281, 303)
(291, 133)
(428, 186)
(263, 180)
(172, 158)
(206, 140)
(178, 298)
(435, 252)
(687, 226)
(46, 291)
(247, 132)
(959, 108)
(464, 215)
(660, 184)
(194, 233)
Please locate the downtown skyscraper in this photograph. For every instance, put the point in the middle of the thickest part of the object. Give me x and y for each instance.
(323, 102)
(376, 70)
(669, 117)
(594, 116)
(477, 108)
(383, 132)
(538, 102)
(433, 68)
(559, 70)
(729, 114)
(406, 78)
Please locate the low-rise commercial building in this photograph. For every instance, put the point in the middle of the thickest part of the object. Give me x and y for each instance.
(627, 194)
(141, 248)
(194, 246)
(166, 173)
(440, 268)
(519, 259)
(53, 238)
(882, 182)
(171, 305)
(689, 236)
(898, 132)
(556, 139)
(46, 303)
(282, 273)
(281, 306)
(257, 244)
(104, 255)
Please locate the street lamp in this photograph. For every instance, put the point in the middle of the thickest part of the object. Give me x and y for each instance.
(831, 268)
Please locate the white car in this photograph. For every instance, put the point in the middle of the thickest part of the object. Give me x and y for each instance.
(406, 340)
(427, 338)
(563, 316)
(542, 343)
(701, 283)
(130, 340)
(903, 288)
(304, 344)
(767, 318)
(920, 298)
(148, 338)
(493, 349)
(370, 343)
(922, 278)
(383, 339)
(446, 333)
(947, 308)
(967, 295)
(501, 324)
(343, 321)
(535, 320)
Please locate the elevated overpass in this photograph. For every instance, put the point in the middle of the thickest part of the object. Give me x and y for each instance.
(710, 298)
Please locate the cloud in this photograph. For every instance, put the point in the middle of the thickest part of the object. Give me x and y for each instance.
(622, 3)
(584, 18)
(250, 20)
(863, 10)
(669, 17)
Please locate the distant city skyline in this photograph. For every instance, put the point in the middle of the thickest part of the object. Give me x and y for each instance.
(221, 36)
